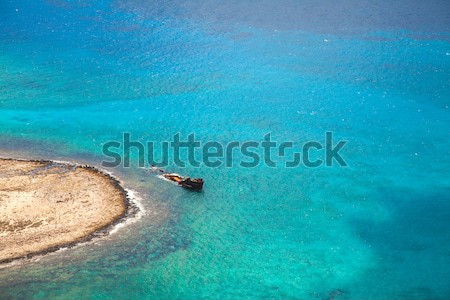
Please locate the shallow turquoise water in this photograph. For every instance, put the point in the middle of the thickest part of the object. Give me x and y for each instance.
(75, 75)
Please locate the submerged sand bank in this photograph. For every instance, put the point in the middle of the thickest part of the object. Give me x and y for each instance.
(46, 205)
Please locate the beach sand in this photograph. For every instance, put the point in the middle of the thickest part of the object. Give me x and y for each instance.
(46, 205)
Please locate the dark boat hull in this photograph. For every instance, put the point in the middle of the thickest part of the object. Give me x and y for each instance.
(192, 185)
(186, 182)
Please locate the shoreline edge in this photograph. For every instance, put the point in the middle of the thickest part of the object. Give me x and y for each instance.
(131, 208)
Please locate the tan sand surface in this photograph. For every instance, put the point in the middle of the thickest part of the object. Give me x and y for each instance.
(46, 205)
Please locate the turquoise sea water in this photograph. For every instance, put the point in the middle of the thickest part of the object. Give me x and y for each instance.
(74, 75)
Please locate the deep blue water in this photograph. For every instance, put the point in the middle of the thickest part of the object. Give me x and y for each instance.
(75, 75)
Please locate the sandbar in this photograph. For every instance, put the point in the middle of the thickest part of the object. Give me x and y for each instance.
(47, 205)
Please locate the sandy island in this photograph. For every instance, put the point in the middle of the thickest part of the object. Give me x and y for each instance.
(46, 205)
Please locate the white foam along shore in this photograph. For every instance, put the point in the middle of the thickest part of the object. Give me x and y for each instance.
(131, 205)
